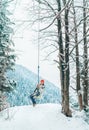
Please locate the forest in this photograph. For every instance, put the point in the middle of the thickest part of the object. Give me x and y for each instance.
(63, 28)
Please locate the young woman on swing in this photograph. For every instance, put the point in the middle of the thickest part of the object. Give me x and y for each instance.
(37, 92)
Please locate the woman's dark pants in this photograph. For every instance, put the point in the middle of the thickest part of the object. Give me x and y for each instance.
(32, 99)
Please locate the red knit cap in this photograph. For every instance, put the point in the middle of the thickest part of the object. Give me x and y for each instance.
(42, 81)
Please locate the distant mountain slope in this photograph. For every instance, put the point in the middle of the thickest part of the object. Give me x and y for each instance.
(26, 83)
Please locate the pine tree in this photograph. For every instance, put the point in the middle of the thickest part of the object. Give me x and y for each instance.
(7, 56)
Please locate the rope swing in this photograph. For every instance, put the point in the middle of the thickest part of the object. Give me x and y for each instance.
(38, 41)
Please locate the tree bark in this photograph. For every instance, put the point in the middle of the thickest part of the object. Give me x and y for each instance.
(66, 106)
(61, 53)
(78, 88)
(85, 82)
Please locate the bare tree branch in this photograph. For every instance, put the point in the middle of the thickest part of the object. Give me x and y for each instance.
(58, 15)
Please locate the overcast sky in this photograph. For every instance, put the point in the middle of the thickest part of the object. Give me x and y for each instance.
(26, 50)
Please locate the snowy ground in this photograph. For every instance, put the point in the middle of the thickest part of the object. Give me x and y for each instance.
(41, 117)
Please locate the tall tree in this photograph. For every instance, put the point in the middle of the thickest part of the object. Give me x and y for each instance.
(61, 53)
(7, 56)
(85, 82)
(78, 88)
(66, 108)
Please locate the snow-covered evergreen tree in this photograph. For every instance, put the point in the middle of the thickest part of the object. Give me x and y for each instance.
(7, 56)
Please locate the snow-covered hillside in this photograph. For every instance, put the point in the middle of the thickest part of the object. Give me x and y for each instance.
(26, 83)
(41, 117)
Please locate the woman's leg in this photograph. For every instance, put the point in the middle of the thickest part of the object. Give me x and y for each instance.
(33, 99)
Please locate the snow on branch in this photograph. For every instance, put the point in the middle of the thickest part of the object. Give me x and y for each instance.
(58, 15)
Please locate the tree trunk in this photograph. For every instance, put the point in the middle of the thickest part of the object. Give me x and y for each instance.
(66, 108)
(78, 88)
(64, 63)
(85, 82)
(61, 53)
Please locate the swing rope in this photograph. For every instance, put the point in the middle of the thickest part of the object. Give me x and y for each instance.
(38, 42)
